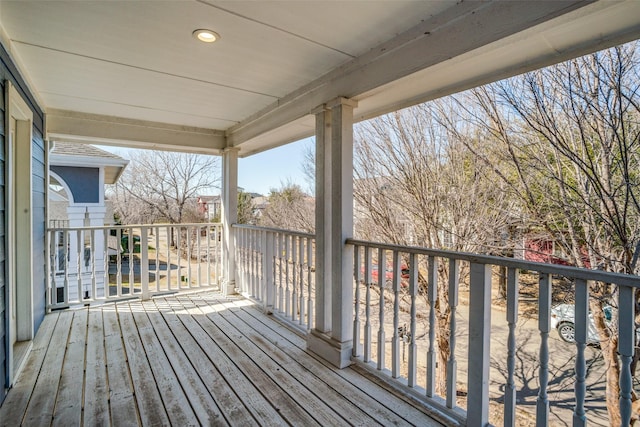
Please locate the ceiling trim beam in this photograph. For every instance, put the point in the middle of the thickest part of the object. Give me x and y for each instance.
(458, 30)
(72, 126)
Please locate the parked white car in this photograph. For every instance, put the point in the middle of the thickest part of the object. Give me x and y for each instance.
(563, 319)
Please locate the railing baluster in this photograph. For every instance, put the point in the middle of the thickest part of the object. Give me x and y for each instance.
(199, 255)
(131, 243)
(281, 296)
(92, 255)
(309, 287)
(144, 263)
(287, 300)
(248, 254)
(80, 251)
(208, 239)
(432, 294)
(218, 245)
(66, 253)
(382, 282)
(513, 292)
(294, 295)
(52, 294)
(356, 312)
(245, 255)
(255, 235)
(254, 264)
(413, 292)
(626, 347)
(241, 256)
(301, 279)
(119, 250)
(452, 364)
(106, 234)
(395, 340)
(367, 305)
(260, 264)
(179, 255)
(544, 325)
(157, 269)
(581, 331)
(188, 231)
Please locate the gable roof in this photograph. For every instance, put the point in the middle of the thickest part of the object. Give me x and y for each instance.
(85, 155)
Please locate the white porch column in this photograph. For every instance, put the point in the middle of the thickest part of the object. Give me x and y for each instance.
(323, 221)
(333, 336)
(229, 217)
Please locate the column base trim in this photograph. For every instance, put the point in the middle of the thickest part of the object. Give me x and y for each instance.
(228, 287)
(335, 352)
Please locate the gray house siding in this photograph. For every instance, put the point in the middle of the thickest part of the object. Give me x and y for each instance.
(39, 205)
(84, 183)
(8, 71)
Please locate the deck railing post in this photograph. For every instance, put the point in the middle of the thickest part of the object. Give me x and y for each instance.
(479, 340)
(144, 263)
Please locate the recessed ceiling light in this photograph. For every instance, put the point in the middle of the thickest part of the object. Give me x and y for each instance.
(206, 36)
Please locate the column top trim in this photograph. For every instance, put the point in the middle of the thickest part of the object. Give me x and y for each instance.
(342, 101)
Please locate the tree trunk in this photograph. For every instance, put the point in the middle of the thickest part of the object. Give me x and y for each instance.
(609, 346)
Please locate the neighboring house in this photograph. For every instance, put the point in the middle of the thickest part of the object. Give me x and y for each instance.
(259, 203)
(77, 176)
(544, 249)
(209, 207)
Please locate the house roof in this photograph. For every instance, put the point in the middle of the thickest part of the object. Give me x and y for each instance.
(85, 155)
(130, 73)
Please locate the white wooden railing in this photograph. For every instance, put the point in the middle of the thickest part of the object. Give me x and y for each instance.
(95, 264)
(397, 291)
(376, 336)
(276, 267)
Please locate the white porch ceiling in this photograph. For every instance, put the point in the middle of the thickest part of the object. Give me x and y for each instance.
(129, 72)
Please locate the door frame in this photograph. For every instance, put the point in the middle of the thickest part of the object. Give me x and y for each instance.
(18, 224)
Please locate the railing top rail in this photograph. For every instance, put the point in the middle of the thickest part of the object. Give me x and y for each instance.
(112, 227)
(274, 230)
(560, 270)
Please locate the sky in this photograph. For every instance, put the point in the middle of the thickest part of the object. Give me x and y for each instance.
(270, 169)
(262, 172)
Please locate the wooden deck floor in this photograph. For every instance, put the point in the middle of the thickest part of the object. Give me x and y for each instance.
(191, 359)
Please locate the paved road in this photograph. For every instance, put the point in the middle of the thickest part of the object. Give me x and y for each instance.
(561, 369)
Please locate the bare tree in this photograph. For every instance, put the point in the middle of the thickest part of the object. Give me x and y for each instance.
(163, 186)
(572, 135)
(291, 208)
(415, 185)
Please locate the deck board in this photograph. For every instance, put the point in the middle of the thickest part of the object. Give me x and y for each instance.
(150, 405)
(68, 409)
(288, 374)
(123, 410)
(234, 411)
(43, 400)
(96, 402)
(190, 359)
(202, 403)
(16, 402)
